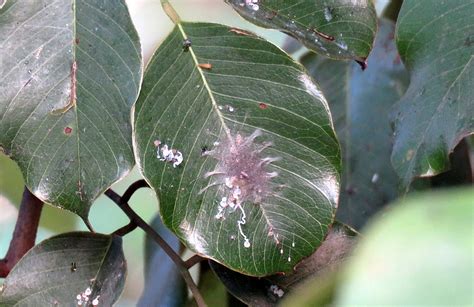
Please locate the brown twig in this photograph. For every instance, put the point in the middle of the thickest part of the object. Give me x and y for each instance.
(133, 188)
(137, 220)
(125, 229)
(193, 261)
(24, 235)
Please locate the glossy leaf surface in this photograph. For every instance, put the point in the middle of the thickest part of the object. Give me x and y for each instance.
(360, 103)
(68, 269)
(69, 73)
(340, 29)
(436, 43)
(253, 129)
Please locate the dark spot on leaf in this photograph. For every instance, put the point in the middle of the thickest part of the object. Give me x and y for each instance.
(469, 41)
(67, 130)
(77, 41)
(204, 149)
(271, 15)
(73, 267)
(262, 106)
(350, 190)
(186, 44)
(362, 63)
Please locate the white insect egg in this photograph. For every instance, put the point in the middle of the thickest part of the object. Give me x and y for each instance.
(246, 244)
(237, 192)
(223, 202)
(252, 4)
(88, 292)
(178, 158)
(165, 151)
(228, 182)
(277, 291)
(327, 14)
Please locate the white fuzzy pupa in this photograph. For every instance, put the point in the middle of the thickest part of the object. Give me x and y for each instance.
(243, 174)
(242, 167)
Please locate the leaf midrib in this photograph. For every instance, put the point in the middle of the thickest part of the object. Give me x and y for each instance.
(206, 84)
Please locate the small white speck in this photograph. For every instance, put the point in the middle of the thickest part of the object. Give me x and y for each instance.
(277, 291)
(246, 244)
(327, 14)
(375, 178)
(95, 302)
(289, 259)
(78, 297)
(341, 45)
(293, 244)
(223, 202)
(281, 251)
(228, 183)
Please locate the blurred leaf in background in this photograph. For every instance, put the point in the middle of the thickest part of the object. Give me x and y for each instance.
(360, 103)
(420, 252)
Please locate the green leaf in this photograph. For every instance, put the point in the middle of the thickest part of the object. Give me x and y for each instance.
(436, 42)
(212, 289)
(318, 291)
(360, 103)
(420, 253)
(252, 102)
(69, 73)
(59, 270)
(269, 291)
(340, 29)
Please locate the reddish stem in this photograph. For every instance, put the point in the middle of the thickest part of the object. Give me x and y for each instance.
(24, 235)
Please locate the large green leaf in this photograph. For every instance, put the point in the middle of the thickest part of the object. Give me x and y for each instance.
(420, 253)
(251, 122)
(69, 73)
(360, 103)
(340, 29)
(67, 269)
(436, 42)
